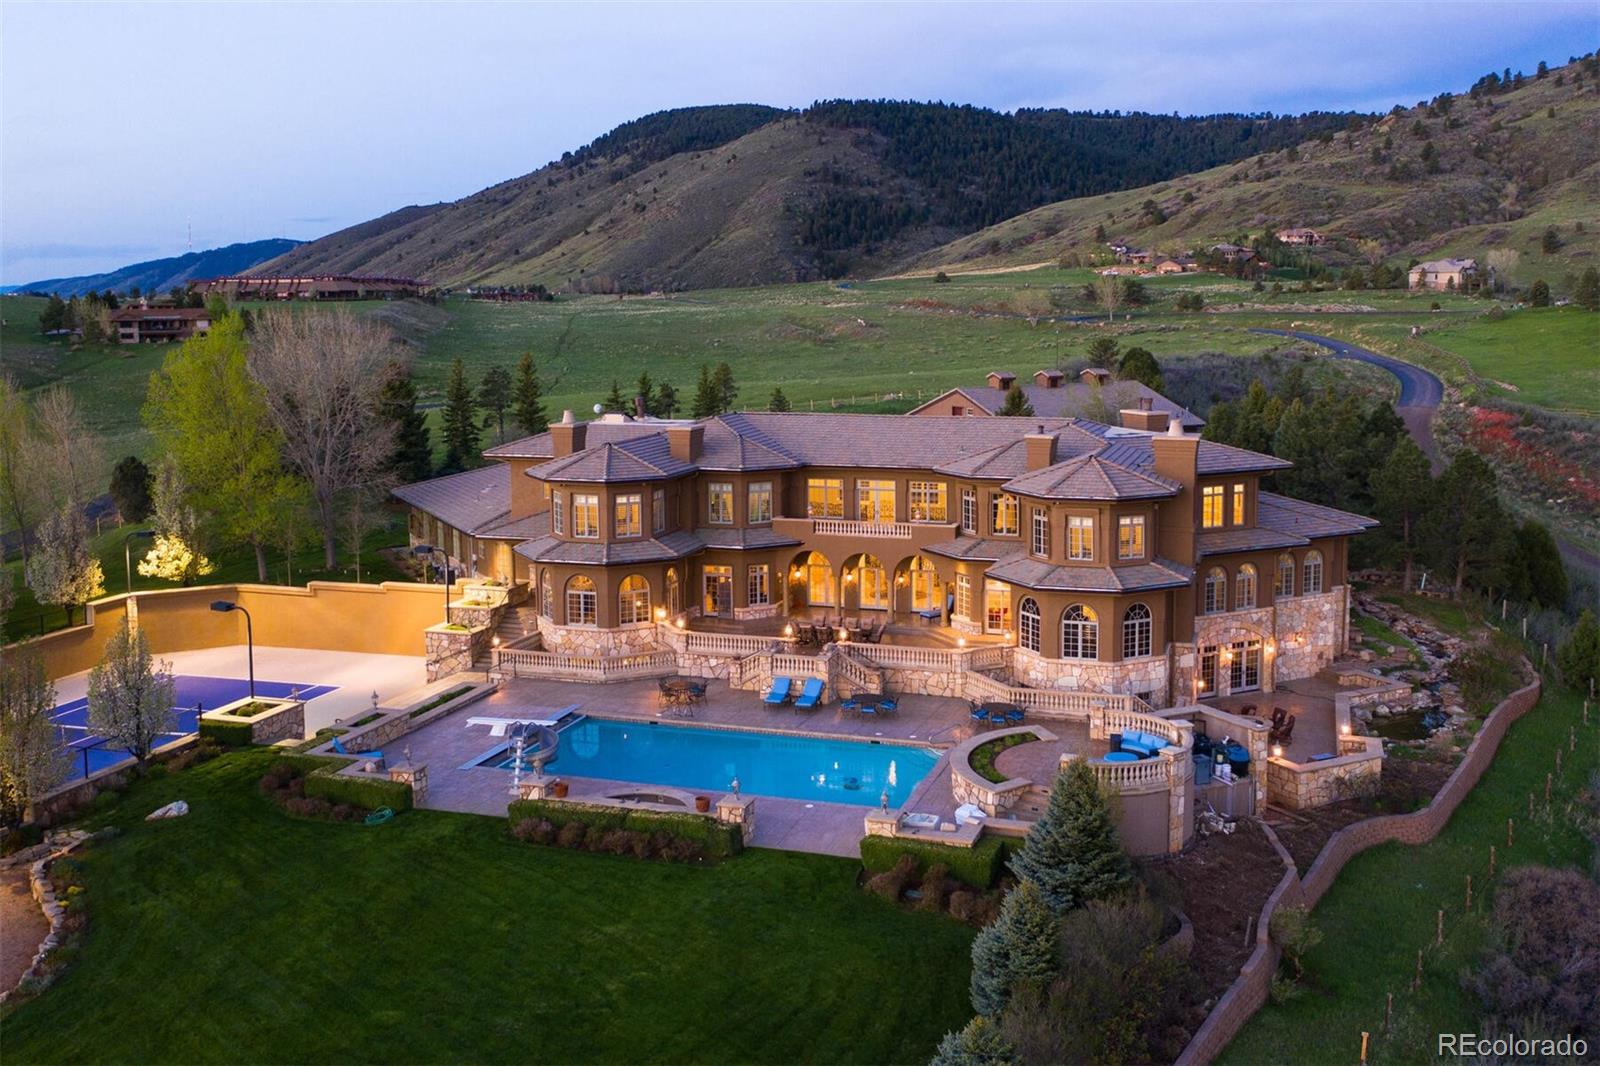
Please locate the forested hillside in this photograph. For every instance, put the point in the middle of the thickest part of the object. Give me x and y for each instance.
(159, 275)
(746, 195)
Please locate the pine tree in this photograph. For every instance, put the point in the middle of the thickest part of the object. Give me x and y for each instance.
(706, 397)
(727, 391)
(644, 391)
(1539, 293)
(461, 442)
(495, 397)
(614, 400)
(1103, 352)
(130, 489)
(980, 1043)
(1467, 528)
(1016, 405)
(779, 401)
(1539, 569)
(665, 404)
(1015, 951)
(397, 403)
(1403, 491)
(1587, 294)
(1139, 365)
(528, 400)
(1072, 853)
(1579, 657)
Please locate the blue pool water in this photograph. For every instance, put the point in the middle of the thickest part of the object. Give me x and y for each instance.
(91, 752)
(766, 764)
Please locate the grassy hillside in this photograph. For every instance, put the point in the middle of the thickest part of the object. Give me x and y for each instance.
(1506, 172)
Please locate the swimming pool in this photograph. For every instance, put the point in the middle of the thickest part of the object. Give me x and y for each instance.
(766, 764)
(91, 752)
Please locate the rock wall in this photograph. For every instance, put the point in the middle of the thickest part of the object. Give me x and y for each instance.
(1131, 676)
(591, 641)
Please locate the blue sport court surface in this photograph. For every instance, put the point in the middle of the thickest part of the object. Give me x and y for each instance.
(91, 753)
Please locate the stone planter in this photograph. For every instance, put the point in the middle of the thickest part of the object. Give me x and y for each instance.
(702, 804)
(486, 595)
(452, 649)
(272, 720)
(559, 790)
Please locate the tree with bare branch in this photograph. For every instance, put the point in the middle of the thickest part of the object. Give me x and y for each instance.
(1108, 290)
(1502, 264)
(21, 482)
(323, 375)
(69, 451)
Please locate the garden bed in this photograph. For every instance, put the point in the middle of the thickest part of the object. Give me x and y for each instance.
(984, 756)
(1408, 784)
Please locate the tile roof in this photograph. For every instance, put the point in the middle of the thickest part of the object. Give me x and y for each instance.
(469, 501)
(983, 549)
(647, 458)
(744, 539)
(1310, 520)
(1075, 399)
(1037, 574)
(1134, 450)
(534, 525)
(549, 549)
(1010, 460)
(1223, 541)
(1091, 477)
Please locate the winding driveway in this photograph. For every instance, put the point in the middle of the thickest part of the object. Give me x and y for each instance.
(1420, 392)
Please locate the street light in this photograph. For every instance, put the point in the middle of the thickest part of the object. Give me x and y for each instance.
(428, 551)
(224, 606)
(127, 551)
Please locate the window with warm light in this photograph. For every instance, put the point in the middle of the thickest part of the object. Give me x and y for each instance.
(1130, 537)
(996, 606)
(547, 599)
(1003, 514)
(1211, 507)
(969, 511)
(719, 503)
(875, 501)
(821, 588)
(558, 513)
(1244, 588)
(1028, 624)
(1041, 533)
(1215, 600)
(581, 601)
(927, 500)
(964, 597)
(872, 582)
(1238, 503)
(825, 497)
(1080, 633)
(1080, 537)
(758, 585)
(633, 600)
(1136, 632)
(585, 515)
(924, 584)
(629, 517)
(760, 502)
(1311, 582)
(658, 511)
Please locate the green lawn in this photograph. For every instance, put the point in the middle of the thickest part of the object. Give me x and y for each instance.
(239, 935)
(1550, 356)
(1383, 908)
(1377, 630)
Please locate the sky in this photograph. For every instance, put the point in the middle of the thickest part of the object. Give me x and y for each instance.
(128, 131)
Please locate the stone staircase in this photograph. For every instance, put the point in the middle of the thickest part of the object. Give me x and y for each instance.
(517, 624)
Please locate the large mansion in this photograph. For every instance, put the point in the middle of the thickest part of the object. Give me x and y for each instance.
(1134, 559)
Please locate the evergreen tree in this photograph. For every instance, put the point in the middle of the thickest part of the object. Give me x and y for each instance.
(461, 441)
(706, 397)
(1587, 294)
(727, 391)
(1015, 951)
(1550, 242)
(779, 401)
(1579, 657)
(528, 399)
(1403, 493)
(130, 489)
(1103, 352)
(1467, 528)
(1538, 573)
(665, 404)
(980, 1043)
(1137, 364)
(397, 403)
(645, 390)
(1016, 404)
(1072, 853)
(54, 315)
(495, 397)
(614, 400)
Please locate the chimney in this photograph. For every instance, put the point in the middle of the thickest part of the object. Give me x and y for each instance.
(1176, 457)
(999, 379)
(1041, 449)
(638, 408)
(1151, 421)
(1094, 375)
(686, 442)
(1049, 379)
(567, 435)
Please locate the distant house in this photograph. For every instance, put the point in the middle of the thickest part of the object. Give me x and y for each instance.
(1095, 395)
(1299, 236)
(1137, 256)
(1175, 264)
(1233, 253)
(136, 325)
(311, 287)
(1444, 274)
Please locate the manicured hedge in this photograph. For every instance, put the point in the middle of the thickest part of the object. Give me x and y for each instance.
(979, 866)
(359, 791)
(229, 734)
(720, 840)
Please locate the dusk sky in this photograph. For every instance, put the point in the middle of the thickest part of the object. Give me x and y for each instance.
(123, 124)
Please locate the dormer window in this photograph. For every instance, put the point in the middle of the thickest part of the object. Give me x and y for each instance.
(1080, 538)
(1238, 503)
(1211, 507)
(1003, 516)
(1130, 537)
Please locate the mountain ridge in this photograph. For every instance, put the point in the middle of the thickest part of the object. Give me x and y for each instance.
(159, 275)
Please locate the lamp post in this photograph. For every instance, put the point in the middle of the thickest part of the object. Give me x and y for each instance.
(428, 551)
(127, 551)
(224, 606)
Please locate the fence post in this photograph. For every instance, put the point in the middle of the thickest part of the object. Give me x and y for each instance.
(1438, 930)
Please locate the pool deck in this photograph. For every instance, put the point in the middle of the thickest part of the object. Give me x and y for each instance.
(448, 745)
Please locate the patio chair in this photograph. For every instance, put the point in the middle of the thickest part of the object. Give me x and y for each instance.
(810, 694)
(1288, 729)
(1278, 715)
(888, 705)
(876, 636)
(778, 694)
(1015, 716)
(870, 710)
(850, 703)
(342, 750)
(977, 714)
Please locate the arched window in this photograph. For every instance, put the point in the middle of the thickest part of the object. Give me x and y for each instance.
(1244, 588)
(924, 584)
(581, 601)
(1080, 633)
(633, 600)
(547, 598)
(1285, 587)
(1028, 624)
(817, 574)
(871, 581)
(1136, 631)
(1311, 583)
(1216, 592)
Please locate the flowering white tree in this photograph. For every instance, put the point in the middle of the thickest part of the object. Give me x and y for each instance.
(175, 554)
(31, 757)
(131, 696)
(62, 571)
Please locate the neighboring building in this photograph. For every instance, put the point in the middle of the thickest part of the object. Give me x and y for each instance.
(1110, 559)
(1444, 274)
(136, 325)
(1234, 253)
(1095, 394)
(1175, 264)
(311, 287)
(1300, 236)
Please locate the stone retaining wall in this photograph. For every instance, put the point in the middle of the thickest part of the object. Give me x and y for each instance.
(1249, 990)
(44, 893)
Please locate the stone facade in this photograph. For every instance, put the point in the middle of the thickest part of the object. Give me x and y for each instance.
(592, 641)
(1355, 772)
(453, 651)
(1147, 674)
(283, 720)
(1311, 632)
(1300, 635)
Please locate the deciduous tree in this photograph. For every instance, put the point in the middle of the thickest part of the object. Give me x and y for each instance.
(131, 697)
(68, 453)
(1587, 293)
(1108, 292)
(177, 554)
(1137, 364)
(61, 571)
(21, 477)
(32, 759)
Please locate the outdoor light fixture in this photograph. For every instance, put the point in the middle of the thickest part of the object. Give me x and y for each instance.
(223, 607)
(661, 614)
(788, 630)
(1277, 751)
(681, 623)
(1271, 647)
(428, 551)
(961, 642)
(127, 550)
(1344, 730)
(374, 699)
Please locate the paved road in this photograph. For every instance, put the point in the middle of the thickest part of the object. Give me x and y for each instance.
(1420, 392)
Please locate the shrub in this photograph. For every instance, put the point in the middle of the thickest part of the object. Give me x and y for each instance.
(360, 791)
(891, 884)
(935, 888)
(962, 904)
(1546, 952)
(704, 836)
(979, 1044)
(228, 734)
(1295, 934)
(978, 866)
(21, 836)
(571, 835)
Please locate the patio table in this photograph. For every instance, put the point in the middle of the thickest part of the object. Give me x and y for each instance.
(1121, 756)
(1000, 712)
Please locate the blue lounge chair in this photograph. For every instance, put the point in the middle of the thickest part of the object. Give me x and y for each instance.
(870, 709)
(888, 706)
(810, 695)
(778, 694)
(1016, 715)
(979, 715)
(850, 703)
(342, 750)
